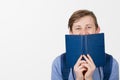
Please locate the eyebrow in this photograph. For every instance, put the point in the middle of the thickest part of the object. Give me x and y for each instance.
(77, 26)
(89, 24)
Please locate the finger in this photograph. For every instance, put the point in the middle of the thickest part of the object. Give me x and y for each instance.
(90, 58)
(82, 68)
(85, 66)
(79, 68)
(82, 62)
(87, 60)
(78, 61)
(80, 58)
(89, 67)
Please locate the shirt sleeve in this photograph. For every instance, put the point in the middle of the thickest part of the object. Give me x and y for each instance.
(56, 69)
(115, 71)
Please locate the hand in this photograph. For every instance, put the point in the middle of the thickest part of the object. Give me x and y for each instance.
(79, 69)
(84, 68)
(90, 67)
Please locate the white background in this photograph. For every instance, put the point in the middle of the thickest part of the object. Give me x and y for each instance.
(32, 33)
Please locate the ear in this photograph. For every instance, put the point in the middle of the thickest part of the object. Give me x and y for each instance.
(98, 30)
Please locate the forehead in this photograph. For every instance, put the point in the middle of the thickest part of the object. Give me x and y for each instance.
(84, 20)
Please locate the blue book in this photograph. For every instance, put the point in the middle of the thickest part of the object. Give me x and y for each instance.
(92, 44)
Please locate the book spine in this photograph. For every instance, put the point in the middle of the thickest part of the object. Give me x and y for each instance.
(85, 45)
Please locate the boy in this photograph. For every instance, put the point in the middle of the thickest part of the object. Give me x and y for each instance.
(83, 22)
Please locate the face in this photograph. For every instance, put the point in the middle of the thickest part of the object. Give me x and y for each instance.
(83, 26)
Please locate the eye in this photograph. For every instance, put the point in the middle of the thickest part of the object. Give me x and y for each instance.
(89, 27)
(78, 28)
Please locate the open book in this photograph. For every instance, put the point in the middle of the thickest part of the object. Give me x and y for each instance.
(92, 44)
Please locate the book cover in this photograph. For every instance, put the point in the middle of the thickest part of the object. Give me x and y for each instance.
(92, 44)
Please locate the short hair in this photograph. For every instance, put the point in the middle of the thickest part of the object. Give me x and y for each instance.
(79, 14)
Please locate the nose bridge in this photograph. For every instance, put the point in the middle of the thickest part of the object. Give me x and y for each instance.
(83, 31)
